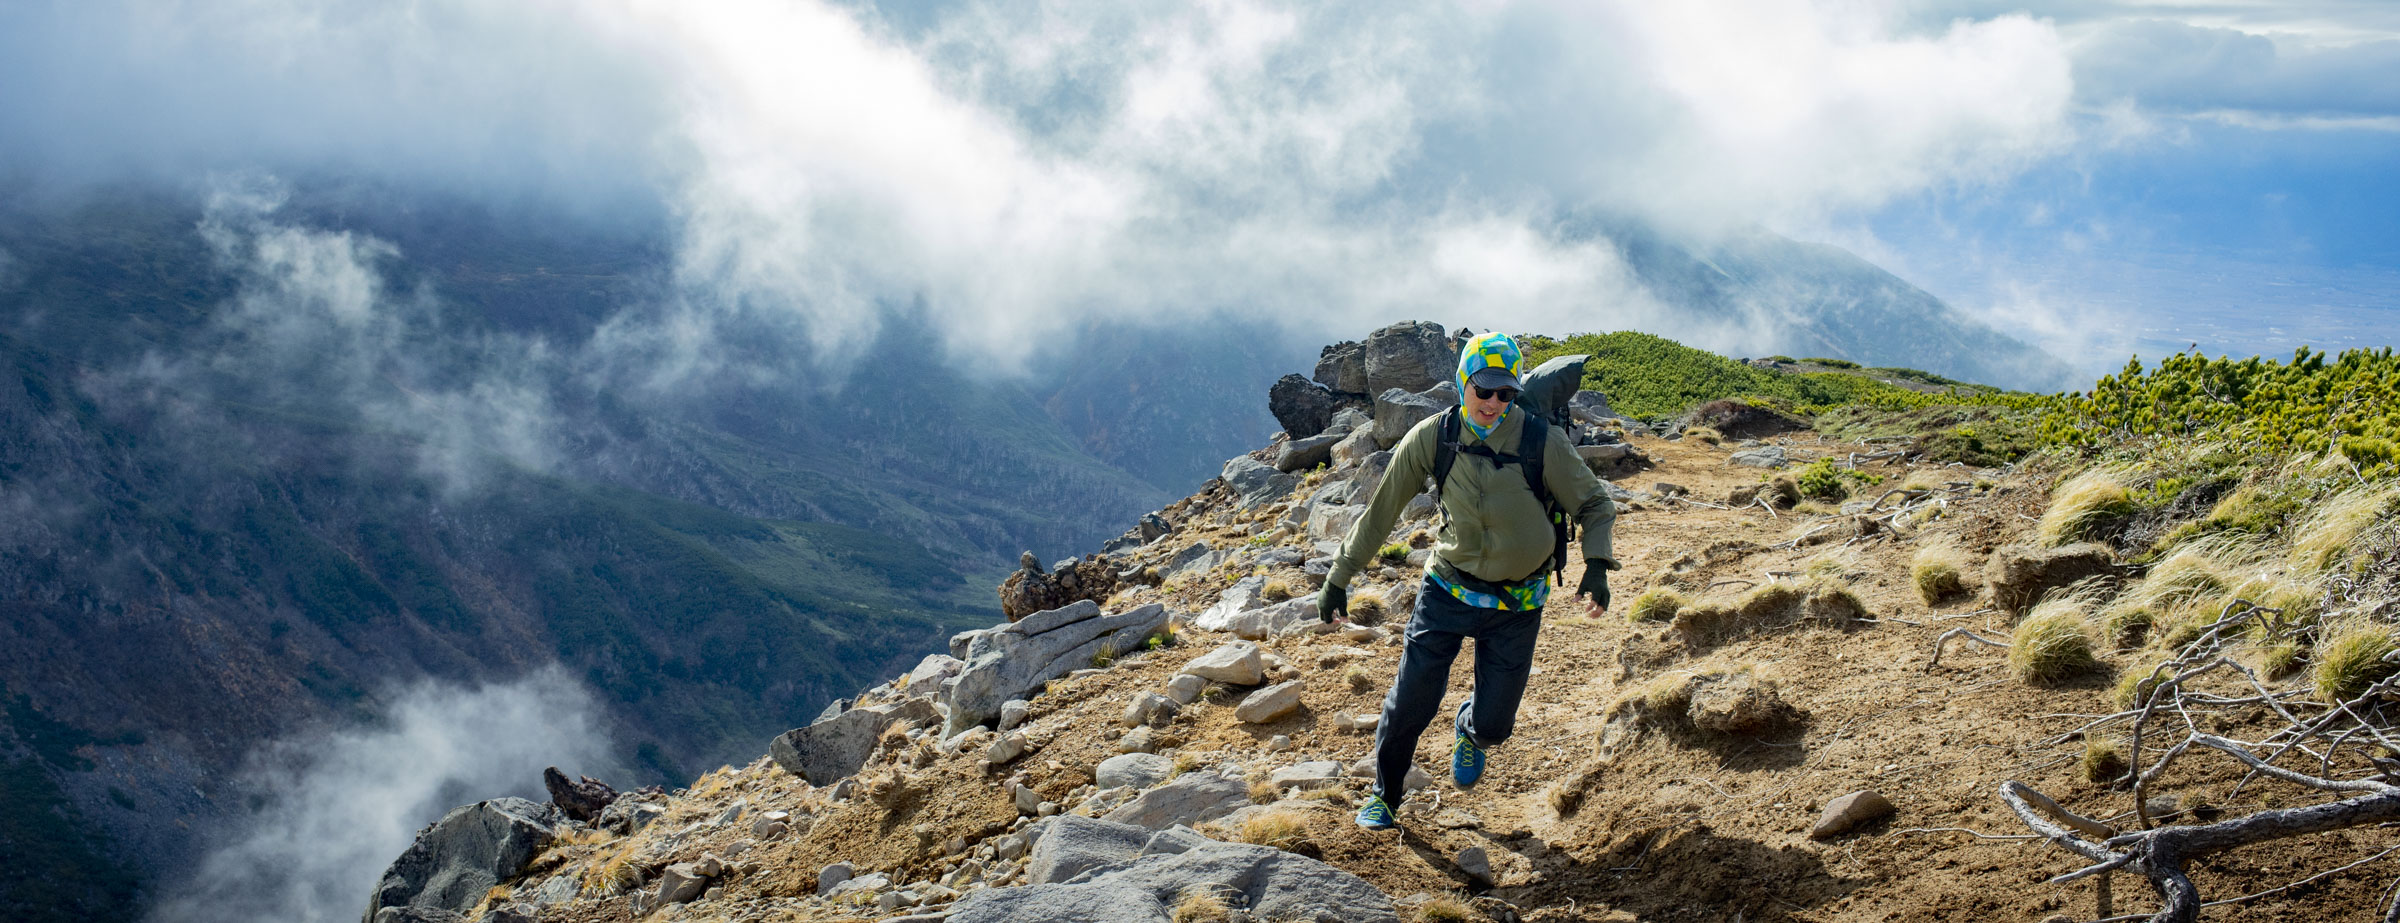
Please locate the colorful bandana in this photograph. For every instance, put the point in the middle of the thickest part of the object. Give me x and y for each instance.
(1522, 597)
(1486, 350)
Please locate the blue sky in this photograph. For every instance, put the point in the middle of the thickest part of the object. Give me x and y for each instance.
(2097, 178)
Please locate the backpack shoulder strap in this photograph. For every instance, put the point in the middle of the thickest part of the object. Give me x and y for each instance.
(1530, 446)
(1445, 451)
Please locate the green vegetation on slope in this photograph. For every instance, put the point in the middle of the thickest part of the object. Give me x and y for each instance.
(1651, 377)
(2349, 406)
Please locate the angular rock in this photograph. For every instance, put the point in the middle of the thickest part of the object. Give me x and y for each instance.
(1300, 455)
(1354, 448)
(1268, 621)
(1333, 522)
(931, 671)
(766, 820)
(1770, 456)
(1188, 799)
(1256, 482)
(1304, 407)
(833, 876)
(1029, 590)
(1196, 556)
(1235, 599)
(682, 882)
(1849, 812)
(1007, 747)
(835, 747)
(1342, 367)
(1603, 453)
(1138, 740)
(1012, 713)
(1311, 775)
(455, 861)
(1476, 863)
(1185, 688)
(1417, 777)
(1027, 800)
(1136, 771)
(2019, 575)
(1010, 661)
(1397, 410)
(582, 800)
(1241, 663)
(627, 816)
(1149, 708)
(1270, 883)
(1069, 846)
(1410, 356)
(1590, 407)
(1270, 703)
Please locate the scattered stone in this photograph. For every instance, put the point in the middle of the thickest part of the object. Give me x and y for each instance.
(1012, 713)
(1311, 775)
(1240, 663)
(1133, 770)
(1849, 812)
(1281, 618)
(1354, 448)
(1149, 708)
(1242, 596)
(1279, 743)
(1026, 799)
(683, 882)
(1301, 455)
(1356, 724)
(582, 800)
(1008, 747)
(1138, 740)
(833, 876)
(454, 862)
(1185, 688)
(627, 815)
(1257, 483)
(1270, 703)
(1012, 660)
(1476, 863)
(1029, 590)
(843, 790)
(763, 826)
(1365, 769)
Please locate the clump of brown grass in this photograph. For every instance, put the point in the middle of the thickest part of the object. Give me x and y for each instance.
(2084, 502)
(1937, 572)
(1201, 907)
(1357, 679)
(2052, 643)
(1367, 610)
(2323, 540)
(2350, 658)
(1276, 591)
(1278, 829)
(1445, 909)
(2131, 686)
(1705, 434)
(1264, 792)
(2102, 761)
(2282, 659)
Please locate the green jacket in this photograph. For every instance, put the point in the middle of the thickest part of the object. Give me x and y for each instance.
(1492, 527)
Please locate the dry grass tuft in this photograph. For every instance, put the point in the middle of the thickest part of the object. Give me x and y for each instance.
(1279, 829)
(2323, 540)
(1276, 591)
(1445, 909)
(2131, 686)
(1201, 907)
(2082, 503)
(1357, 679)
(1937, 572)
(2350, 658)
(2052, 643)
(2102, 761)
(2282, 659)
(1367, 610)
(1658, 604)
(1264, 792)
(1705, 434)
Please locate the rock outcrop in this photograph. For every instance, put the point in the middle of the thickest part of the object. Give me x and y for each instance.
(1009, 661)
(460, 857)
(1030, 590)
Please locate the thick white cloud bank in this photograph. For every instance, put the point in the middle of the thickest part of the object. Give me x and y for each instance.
(1017, 169)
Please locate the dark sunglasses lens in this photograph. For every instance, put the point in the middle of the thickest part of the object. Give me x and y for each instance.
(1506, 394)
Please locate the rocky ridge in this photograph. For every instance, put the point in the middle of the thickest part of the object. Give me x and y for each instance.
(1785, 741)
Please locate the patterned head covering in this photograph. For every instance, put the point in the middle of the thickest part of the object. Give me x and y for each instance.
(1495, 357)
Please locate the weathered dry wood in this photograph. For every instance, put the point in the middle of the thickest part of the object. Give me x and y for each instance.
(1959, 633)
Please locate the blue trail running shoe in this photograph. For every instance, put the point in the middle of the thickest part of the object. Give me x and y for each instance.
(1376, 814)
(1466, 761)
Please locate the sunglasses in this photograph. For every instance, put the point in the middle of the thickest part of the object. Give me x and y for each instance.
(1506, 394)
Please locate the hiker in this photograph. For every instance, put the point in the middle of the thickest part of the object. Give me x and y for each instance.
(1489, 574)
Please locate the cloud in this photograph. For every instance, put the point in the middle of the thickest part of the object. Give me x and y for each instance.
(1016, 169)
(2264, 81)
(335, 808)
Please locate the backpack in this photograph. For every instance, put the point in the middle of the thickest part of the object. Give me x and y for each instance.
(1530, 447)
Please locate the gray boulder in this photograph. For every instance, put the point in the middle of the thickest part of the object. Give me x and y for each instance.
(1354, 447)
(1342, 367)
(460, 857)
(1236, 599)
(1396, 410)
(1410, 356)
(1301, 455)
(1333, 522)
(1268, 621)
(1269, 704)
(1067, 845)
(1270, 883)
(1240, 663)
(1132, 770)
(417, 915)
(1766, 456)
(1191, 798)
(1590, 407)
(1009, 661)
(1302, 406)
(1256, 482)
(1850, 812)
(828, 750)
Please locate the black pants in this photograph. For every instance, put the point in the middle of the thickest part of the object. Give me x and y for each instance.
(1503, 659)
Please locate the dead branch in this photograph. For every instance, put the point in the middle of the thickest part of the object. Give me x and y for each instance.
(1959, 633)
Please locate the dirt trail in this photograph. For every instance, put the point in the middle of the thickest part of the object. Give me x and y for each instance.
(1674, 823)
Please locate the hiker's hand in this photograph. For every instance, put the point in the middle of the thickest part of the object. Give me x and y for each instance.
(1594, 587)
(1333, 603)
